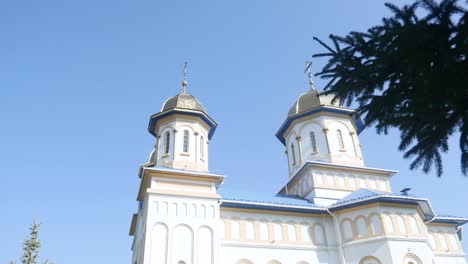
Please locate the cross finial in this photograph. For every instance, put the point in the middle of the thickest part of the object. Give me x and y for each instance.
(185, 83)
(308, 71)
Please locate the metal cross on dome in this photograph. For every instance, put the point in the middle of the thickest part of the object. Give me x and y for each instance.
(308, 71)
(185, 83)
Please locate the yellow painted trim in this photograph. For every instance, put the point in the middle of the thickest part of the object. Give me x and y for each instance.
(441, 224)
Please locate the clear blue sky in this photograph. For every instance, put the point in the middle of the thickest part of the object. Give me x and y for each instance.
(79, 79)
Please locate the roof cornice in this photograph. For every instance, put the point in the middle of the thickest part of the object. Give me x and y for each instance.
(352, 113)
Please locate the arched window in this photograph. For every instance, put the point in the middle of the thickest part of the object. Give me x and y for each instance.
(454, 241)
(292, 232)
(235, 230)
(167, 142)
(388, 224)
(376, 224)
(222, 228)
(293, 153)
(401, 224)
(278, 230)
(413, 225)
(186, 141)
(202, 147)
(263, 231)
(249, 231)
(306, 233)
(432, 241)
(443, 242)
(361, 226)
(347, 227)
(340, 139)
(319, 234)
(313, 142)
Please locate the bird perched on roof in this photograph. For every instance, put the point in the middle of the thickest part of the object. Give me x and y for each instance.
(405, 191)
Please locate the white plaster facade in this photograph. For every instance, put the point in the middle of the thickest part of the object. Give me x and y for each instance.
(332, 209)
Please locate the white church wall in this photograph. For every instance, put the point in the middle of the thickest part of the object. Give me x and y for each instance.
(355, 253)
(450, 260)
(186, 229)
(402, 250)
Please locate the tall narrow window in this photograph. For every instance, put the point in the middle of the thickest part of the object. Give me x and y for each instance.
(167, 142)
(313, 142)
(202, 147)
(293, 153)
(186, 141)
(340, 139)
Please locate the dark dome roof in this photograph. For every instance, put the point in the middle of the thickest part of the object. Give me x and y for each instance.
(310, 100)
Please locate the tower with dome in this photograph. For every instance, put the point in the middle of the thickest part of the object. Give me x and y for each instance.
(333, 209)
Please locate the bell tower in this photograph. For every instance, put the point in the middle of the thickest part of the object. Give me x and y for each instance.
(183, 131)
(177, 218)
(321, 140)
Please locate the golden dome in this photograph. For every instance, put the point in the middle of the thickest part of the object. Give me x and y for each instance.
(184, 101)
(311, 100)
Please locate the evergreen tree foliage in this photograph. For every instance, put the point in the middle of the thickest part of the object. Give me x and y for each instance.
(31, 247)
(410, 73)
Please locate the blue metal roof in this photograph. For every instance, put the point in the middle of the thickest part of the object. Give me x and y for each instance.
(448, 219)
(362, 194)
(365, 196)
(292, 203)
(259, 197)
(262, 201)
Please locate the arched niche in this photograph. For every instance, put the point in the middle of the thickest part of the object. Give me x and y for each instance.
(244, 261)
(205, 245)
(347, 229)
(319, 234)
(411, 258)
(370, 260)
(361, 226)
(182, 244)
(376, 225)
(158, 243)
(273, 262)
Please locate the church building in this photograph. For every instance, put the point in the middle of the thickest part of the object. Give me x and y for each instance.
(333, 209)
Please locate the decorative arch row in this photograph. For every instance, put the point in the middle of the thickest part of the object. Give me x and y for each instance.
(344, 181)
(377, 224)
(268, 231)
(182, 248)
(444, 242)
(409, 258)
(163, 208)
